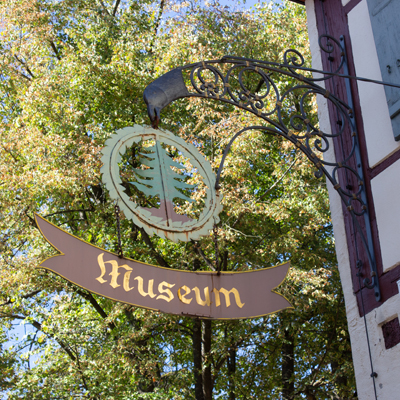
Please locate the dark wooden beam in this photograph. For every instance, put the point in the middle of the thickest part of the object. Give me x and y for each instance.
(302, 2)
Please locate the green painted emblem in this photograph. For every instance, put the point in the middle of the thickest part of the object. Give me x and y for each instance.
(147, 172)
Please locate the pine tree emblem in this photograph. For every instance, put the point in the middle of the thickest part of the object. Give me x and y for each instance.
(159, 176)
(164, 182)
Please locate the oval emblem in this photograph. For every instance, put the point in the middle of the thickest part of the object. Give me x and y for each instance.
(160, 182)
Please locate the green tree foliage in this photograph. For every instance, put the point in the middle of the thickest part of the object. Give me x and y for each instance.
(72, 72)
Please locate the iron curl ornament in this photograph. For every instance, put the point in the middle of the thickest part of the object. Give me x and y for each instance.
(226, 79)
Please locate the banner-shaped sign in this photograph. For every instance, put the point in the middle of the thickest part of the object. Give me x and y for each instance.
(227, 295)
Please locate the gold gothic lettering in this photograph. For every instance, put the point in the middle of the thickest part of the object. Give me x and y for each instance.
(167, 291)
(149, 287)
(102, 268)
(198, 297)
(227, 298)
(182, 297)
(126, 281)
(164, 287)
(114, 273)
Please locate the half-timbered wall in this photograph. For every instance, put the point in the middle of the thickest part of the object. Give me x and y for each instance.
(381, 167)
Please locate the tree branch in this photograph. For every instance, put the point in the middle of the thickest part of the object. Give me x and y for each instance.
(240, 216)
(67, 211)
(26, 296)
(16, 159)
(31, 220)
(278, 181)
(116, 7)
(160, 12)
(56, 52)
(38, 326)
(89, 297)
(25, 66)
(81, 371)
(21, 74)
(104, 7)
(157, 256)
(225, 261)
(200, 252)
(235, 345)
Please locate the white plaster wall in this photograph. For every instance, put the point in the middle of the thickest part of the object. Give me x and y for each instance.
(379, 134)
(375, 112)
(344, 2)
(386, 192)
(386, 362)
(360, 358)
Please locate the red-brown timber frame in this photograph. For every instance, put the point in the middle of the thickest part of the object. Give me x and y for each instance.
(332, 18)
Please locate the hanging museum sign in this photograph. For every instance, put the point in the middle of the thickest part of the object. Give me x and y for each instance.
(166, 187)
(224, 295)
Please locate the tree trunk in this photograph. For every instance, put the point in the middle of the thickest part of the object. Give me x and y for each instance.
(341, 382)
(288, 366)
(231, 373)
(197, 362)
(207, 378)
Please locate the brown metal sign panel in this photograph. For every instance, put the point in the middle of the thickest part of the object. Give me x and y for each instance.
(227, 295)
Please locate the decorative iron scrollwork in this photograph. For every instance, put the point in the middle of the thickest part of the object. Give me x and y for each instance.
(224, 80)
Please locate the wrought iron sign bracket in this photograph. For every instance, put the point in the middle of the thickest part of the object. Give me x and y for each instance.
(372, 283)
(227, 84)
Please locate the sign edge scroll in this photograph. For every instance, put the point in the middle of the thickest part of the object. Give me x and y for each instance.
(198, 275)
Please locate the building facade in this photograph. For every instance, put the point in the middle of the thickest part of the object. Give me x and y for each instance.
(369, 33)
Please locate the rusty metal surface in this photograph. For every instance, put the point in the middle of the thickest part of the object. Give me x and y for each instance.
(203, 294)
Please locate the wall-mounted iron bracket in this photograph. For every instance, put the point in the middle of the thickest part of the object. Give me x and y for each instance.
(225, 81)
